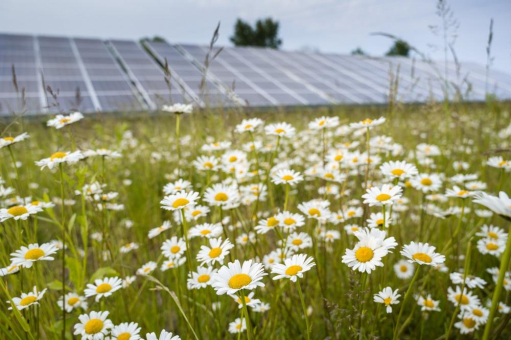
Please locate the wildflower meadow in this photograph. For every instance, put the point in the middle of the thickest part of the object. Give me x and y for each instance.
(326, 223)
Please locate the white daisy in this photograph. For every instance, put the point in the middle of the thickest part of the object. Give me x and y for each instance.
(293, 267)
(59, 158)
(172, 263)
(157, 231)
(427, 182)
(249, 125)
(216, 253)
(27, 299)
(297, 241)
(280, 129)
(178, 108)
(387, 297)
(174, 247)
(26, 256)
(19, 212)
(457, 192)
(465, 299)
(179, 200)
(206, 163)
(491, 246)
(147, 268)
(195, 212)
(422, 253)
(237, 326)
(428, 304)
(290, 221)
(201, 278)
(206, 230)
(398, 169)
(61, 120)
(249, 300)
(470, 280)
(126, 331)
(387, 195)
(72, 301)
(8, 141)
(404, 269)
(285, 176)
(179, 185)
(221, 195)
(235, 276)
(93, 326)
(324, 123)
(500, 205)
(368, 123)
(103, 287)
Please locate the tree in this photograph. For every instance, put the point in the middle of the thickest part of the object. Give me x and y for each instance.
(358, 51)
(156, 38)
(264, 34)
(400, 48)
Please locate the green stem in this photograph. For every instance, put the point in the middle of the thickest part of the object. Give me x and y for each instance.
(64, 236)
(304, 309)
(287, 196)
(405, 299)
(245, 311)
(504, 264)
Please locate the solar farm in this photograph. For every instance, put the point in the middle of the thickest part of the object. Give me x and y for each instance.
(250, 193)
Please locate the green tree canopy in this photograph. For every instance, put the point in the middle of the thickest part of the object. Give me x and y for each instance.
(358, 51)
(264, 34)
(400, 48)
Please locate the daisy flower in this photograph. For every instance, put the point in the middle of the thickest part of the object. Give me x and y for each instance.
(293, 267)
(369, 251)
(479, 314)
(297, 241)
(235, 276)
(61, 120)
(206, 163)
(331, 235)
(28, 299)
(179, 200)
(398, 169)
(19, 212)
(164, 335)
(174, 248)
(426, 182)
(128, 247)
(157, 231)
(499, 163)
(26, 256)
(368, 123)
(178, 108)
(324, 123)
(147, 268)
(428, 304)
(467, 324)
(206, 230)
(458, 192)
(249, 300)
(248, 125)
(388, 298)
(470, 281)
(172, 263)
(466, 299)
(59, 158)
(422, 253)
(93, 326)
(216, 253)
(237, 326)
(387, 195)
(72, 301)
(261, 307)
(404, 269)
(11, 269)
(126, 331)
(201, 278)
(491, 246)
(315, 211)
(196, 212)
(265, 225)
(179, 185)
(377, 220)
(290, 221)
(500, 205)
(351, 229)
(352, 212)
(220, 195)
(280, 129)
(8, 141)
(103, 287)
(285, 176)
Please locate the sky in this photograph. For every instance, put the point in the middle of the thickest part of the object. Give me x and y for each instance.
(337, 26)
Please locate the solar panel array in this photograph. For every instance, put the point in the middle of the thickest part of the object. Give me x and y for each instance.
(60, 74)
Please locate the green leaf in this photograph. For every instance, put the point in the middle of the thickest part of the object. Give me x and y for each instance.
(75, 272)
(102, 272)
(57, 285)
(71, 223)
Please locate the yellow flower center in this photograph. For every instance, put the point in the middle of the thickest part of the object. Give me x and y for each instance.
(293, 270)
(73, 301)
(93, 326)
(180, 202)
(9, 139)
(287, 178)
(147, 269)
(175, 249)
(238, 326)
(387, 301)
(239, 281)
(469, 322)
(314, 212)
(422, 257)
(221, 197)
(64, 120)
(397, 172)
(477, 312)
(429, 304)
(289, 221)
(205, 232)
(196, 212)
(124, 336)
(17, 211)
(170, 264)
(272, 222)
(354, 228)
(364, 254)
(12, 268)
(248, 126)
(233, 159)
(297, 242)
(35, 203)
(382, 197)
(215, 252)
(367, 121)
(28, 300)
(247, 300)
(462, 192)
(34, 254)
(338, 158)
(203, 278)
(426, 182)
(351, 213)
(379, 222)
(503, 163)
(492, 246)
(57, 155)
(329, 175)
(103, 288)
(279, 131)
(493, 235)
(321, 123)
(463, 299)
(403, 268)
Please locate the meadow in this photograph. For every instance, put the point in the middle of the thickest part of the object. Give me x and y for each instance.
(312, 223)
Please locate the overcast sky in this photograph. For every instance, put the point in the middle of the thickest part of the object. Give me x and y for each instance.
(324, 25)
